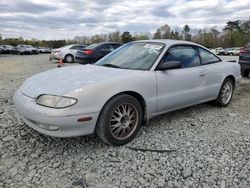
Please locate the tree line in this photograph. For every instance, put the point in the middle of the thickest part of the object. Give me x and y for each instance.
(234, 34)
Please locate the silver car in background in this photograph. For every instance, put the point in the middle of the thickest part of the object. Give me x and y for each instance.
(66, 53)
(30, 49)
(7, 49)
(132, 84)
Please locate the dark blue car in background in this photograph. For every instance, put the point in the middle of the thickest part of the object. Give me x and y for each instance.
(94, 52)
(244, 60)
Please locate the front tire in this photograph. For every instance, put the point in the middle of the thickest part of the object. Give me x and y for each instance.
(119, 120)
(226, 93)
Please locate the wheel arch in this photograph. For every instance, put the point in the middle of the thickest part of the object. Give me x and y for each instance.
(70, 55)
(227, 76)
(232, 78)
(138, 97)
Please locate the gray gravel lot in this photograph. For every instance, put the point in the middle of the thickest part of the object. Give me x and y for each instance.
(212, 145)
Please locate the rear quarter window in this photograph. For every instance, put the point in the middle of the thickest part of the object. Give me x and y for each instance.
(207, 57)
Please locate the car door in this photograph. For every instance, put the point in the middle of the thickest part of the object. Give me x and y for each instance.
(212, 75)
(180, 87)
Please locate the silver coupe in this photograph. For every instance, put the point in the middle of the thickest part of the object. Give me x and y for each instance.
(134, 83)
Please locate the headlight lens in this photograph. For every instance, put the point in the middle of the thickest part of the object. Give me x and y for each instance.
(54, 101)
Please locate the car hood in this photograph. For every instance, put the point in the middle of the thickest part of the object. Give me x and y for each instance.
(63, 80)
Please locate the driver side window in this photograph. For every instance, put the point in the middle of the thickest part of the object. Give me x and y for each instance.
(187, 55)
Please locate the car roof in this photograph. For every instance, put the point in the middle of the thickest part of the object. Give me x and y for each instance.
(71, 45)
(98, 44)
(170, 42)
(77, 45)
(107, 43)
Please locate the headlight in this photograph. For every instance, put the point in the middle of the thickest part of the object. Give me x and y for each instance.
(54, 101)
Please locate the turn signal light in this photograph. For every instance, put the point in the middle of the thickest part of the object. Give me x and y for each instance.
(84, 119)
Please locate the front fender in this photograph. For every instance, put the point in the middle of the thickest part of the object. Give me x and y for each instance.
(92, 97)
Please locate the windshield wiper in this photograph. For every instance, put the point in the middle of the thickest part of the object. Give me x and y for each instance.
(111, 65)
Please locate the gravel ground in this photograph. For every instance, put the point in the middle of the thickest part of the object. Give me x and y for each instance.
(211, 146)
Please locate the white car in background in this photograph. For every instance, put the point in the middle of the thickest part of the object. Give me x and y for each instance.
(233, 51)
(66, 53)
(219, 51)
(42, 49)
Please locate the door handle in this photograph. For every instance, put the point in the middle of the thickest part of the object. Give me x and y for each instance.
(203, 74)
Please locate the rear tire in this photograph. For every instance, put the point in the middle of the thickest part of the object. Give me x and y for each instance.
(245, 73)
(225, 94)
(119, 120)
(69, 59)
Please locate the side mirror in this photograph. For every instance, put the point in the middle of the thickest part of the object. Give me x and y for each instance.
(167, 65)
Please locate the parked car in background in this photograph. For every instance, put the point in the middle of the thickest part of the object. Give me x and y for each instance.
(67, 53)
(244, 60)
(94, 52)
(30, 49)
(134, 83)
(20, 50)
(40, 49)
(7, 49)
(1, 49)
(47, 50)
(219, 51)
(233, 51)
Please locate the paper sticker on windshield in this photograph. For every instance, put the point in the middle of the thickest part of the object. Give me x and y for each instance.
(153, 46)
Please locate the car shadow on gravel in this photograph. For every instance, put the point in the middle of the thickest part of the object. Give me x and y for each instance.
(189, 112)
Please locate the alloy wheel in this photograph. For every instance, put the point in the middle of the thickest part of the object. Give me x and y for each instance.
(124, 121)
(227, 92)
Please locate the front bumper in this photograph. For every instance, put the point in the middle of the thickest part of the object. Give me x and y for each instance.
(53, 122)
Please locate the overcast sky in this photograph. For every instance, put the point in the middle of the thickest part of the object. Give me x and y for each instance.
(59, 19)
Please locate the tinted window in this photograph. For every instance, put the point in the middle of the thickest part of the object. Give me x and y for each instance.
(92, 46)
(207, 57)
(116, 45)
(108, 47)
(187, 55)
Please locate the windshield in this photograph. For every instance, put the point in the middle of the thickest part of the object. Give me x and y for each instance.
(137, 55)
